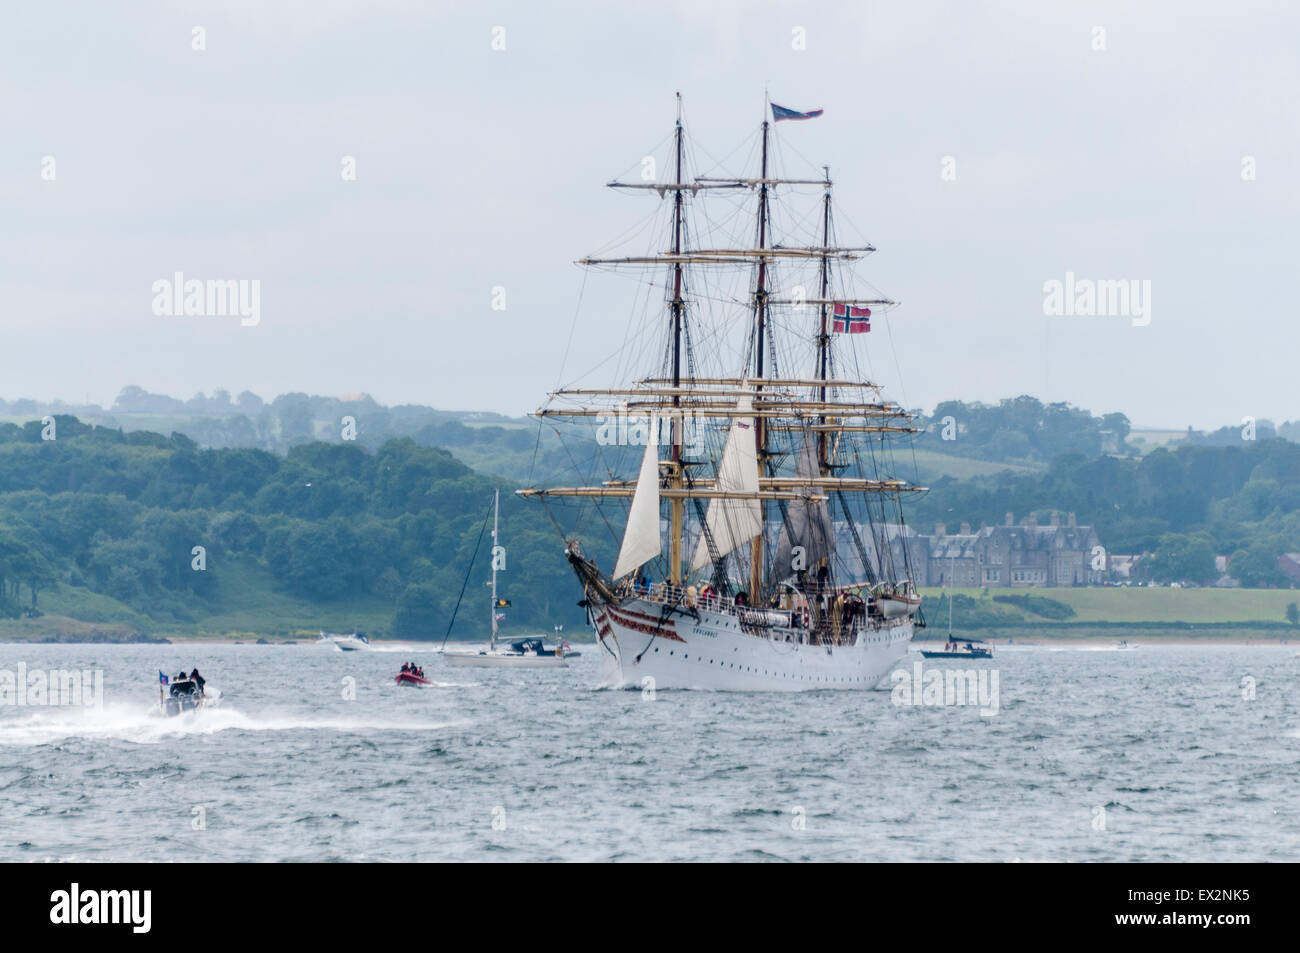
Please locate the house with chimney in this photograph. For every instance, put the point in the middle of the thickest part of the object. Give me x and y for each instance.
(1015, 555)
(1012, 555)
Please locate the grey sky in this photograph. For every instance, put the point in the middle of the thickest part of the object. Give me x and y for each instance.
(478, 168)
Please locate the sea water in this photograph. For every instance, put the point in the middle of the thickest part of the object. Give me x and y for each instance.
(1162, 754)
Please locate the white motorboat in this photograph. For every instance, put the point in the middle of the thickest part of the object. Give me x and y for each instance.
(185, 693)
(343, 643)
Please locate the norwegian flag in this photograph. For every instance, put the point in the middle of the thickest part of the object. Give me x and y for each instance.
(850, 319)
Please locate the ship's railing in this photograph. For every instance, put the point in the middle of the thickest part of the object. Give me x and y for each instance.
(814, 621)
(688, 597)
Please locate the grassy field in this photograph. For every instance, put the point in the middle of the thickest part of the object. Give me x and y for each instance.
(1156, 438)
(1136, 604)
(931, 464)
(246, 606)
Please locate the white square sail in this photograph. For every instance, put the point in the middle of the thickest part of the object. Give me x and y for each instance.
(733, 522)
(641, 540)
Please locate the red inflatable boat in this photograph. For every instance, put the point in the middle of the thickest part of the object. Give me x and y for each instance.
(406, 678)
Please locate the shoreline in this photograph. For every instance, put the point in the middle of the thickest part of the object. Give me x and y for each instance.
(1136, 636)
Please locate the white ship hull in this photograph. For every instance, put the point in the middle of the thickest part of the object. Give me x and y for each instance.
(716, 653)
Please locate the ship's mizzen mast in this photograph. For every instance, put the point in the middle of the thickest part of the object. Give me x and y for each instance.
(824, 332)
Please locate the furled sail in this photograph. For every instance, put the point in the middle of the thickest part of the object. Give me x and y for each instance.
(641, 541)
(807, 524)
(733, 522)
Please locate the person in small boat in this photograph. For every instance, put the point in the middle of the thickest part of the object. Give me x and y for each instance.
(198, 680)
(405, 668)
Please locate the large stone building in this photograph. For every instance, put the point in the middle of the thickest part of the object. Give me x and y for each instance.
(1012, 555)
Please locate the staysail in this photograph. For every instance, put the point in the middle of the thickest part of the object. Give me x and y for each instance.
(807, 525)
(641, 541)
(733, 522)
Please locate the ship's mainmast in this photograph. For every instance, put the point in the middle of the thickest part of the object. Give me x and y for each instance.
(760, 317)
(675, 481)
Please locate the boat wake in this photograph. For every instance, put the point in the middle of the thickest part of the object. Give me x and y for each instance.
(404, 649)
(147, 726)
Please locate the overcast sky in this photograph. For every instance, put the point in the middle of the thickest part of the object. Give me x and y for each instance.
(478, 168)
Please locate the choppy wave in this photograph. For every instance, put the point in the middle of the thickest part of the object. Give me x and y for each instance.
(146, 725)
(316, 756)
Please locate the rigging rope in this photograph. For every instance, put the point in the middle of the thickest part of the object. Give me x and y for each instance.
(468, 571)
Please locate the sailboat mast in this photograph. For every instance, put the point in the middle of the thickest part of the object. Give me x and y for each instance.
(496, 509)
(760, 314)
(676, 506)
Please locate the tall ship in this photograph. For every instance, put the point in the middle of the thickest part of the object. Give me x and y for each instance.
(740, 490)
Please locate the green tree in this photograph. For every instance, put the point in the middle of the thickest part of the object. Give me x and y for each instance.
(1181, 558)
(1256, 566)
(418, 615)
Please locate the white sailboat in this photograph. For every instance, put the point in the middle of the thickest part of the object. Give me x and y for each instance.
(965, 648)
(526, 652)
(764, 602)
